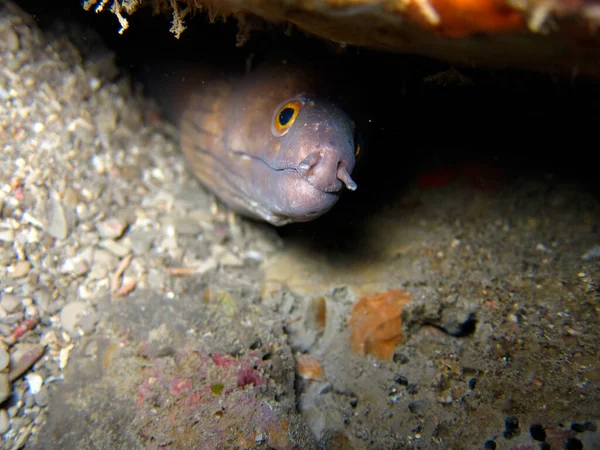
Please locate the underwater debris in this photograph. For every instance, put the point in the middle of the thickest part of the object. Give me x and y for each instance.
(376, 325)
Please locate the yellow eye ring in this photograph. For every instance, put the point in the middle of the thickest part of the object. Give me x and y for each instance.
(357, 150)
(285, 117)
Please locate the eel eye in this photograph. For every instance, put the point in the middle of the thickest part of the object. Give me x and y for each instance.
(359, 144)
(285, 117)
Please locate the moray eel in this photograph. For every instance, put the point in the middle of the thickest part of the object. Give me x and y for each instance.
(266, 143)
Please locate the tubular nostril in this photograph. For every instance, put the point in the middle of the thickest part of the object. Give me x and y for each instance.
(308, 163)
(344, 176)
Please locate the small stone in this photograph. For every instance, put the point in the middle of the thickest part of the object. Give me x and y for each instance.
(186, 226)
(88, 322)
(4, 358)
(42, 299)
(142, 241)
(42, 398)
(23, 357)
(111, 228)
(7, 235)
(417, 407)
(20, 422)
(10, 302)
(5, 387)
(35, 382)
(225, 257)
(72, 314)
(114, 247)
(57, 225)
(4, 422)
(74, 266)
(98, 272)
(489, 445)
(20, 269)
(104, 258)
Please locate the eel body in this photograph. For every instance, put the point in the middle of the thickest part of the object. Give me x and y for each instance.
(266, 143)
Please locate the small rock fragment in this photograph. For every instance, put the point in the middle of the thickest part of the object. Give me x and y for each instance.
(57, 225)
(72, 314)
(7, 235)
(20, 269)
(24, 356)
(114, 247)
(5, 387)
(10, 302)
(4, 422)
(111, 228)
(142, 241)
(4, 358)
(35, 382)
(42, 398)
(186, 226)
(417, 407)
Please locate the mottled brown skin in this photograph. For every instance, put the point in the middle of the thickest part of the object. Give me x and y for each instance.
(230, 141)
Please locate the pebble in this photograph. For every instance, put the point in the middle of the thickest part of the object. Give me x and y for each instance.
(7, 235)
(225, 257)
(142, 241)
(42, 299)
(74, 266)
(417, 407)
(187, 226)
(42, 398)
(114, 247)
(35, 382)
(104, 258)
(4, 358)
(4, 421)
(57, 226)
(111, 228)
(5, 387)
(72, 314)
(9, 40)
(20, 269)
(23, 357)
(10, 302)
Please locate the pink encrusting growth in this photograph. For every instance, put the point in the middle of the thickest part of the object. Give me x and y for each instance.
(194, 399)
